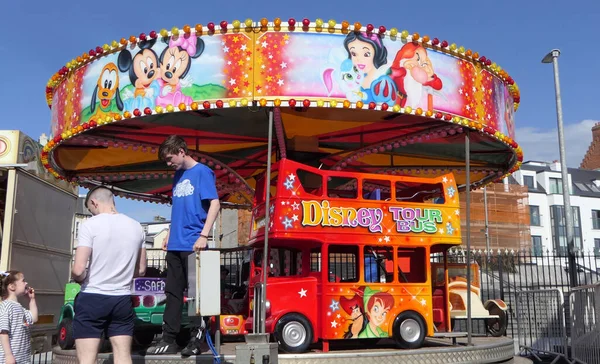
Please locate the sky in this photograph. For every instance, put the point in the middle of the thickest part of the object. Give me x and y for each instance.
(41, 36)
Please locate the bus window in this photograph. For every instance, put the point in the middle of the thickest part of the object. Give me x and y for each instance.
(315, 260)
(285, 262)
(342, 187)
(312, 183)
(420, 192)
(374, 189)
(379, 264)
(412, 267)
(282, 262)
(343, 263)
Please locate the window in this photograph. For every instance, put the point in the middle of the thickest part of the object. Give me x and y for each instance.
(283, 262)
(379, 264)
(315, 260)
(596, 219)
(343, 263)
(597, 247)
(312, 183)
(421, 192)
(593, 187)
(559, 228)
(582, 187)
(556, 186)
(536, 243)
(528, 181)
(534, 215)
(412, 267)
(374, 189)
(342, 187)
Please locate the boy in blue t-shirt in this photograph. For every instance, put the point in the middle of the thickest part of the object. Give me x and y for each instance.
(194, 210)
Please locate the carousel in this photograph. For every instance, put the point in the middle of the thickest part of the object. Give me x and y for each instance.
(334, 96)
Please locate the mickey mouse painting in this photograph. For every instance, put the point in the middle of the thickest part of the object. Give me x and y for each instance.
(106, 100)
(144, 72)
(175, 62)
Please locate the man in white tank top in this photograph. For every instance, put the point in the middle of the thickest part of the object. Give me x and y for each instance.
(113, 244)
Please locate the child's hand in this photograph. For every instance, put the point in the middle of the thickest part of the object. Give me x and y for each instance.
(10, 359)
(31, 293)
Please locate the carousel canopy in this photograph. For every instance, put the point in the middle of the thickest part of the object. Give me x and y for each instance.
(342, 97)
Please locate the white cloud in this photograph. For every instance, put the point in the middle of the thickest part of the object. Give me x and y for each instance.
(542, 144)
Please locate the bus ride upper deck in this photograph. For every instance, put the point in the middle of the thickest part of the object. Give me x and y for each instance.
(306, 201)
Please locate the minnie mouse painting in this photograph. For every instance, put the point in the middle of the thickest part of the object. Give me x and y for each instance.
(175, 62)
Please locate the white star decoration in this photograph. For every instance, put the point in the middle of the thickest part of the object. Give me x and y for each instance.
(387, 239)
(445, 179)
(457, 212)
(451, 191)
(295, 217)
(292, 177)
(289, 184)
(295, 206)
(287, 222)
(302, 292)
(334, 324)
(449, 229)
(334, 306)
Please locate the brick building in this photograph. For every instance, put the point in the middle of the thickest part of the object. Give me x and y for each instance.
(591, 160)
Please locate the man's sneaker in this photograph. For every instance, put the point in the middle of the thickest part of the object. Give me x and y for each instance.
(192, 348)
(162, 348)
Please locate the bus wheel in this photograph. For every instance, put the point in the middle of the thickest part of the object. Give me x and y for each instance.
(293, 333)
(409, 330)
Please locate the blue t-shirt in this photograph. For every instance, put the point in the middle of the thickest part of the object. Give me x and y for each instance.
(193, 189)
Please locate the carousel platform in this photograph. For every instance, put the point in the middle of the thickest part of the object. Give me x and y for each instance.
(483, 350)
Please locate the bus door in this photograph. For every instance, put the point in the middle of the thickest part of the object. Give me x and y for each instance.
(439, 290)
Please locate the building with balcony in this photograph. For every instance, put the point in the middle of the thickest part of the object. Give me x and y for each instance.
(548, 228)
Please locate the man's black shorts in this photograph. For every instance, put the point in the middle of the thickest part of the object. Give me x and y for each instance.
(98, 313)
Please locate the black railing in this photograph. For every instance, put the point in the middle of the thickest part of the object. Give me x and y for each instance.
(502, 273)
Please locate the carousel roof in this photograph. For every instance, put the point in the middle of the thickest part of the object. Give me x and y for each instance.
(224, 113)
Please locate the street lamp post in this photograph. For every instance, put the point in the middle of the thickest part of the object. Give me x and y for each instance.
(552, 57)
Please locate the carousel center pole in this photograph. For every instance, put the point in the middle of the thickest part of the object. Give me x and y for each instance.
(258, 348)
(468, 227)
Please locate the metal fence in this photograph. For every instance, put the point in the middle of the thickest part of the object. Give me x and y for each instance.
(585, 333)
(233, 260)
(541, 322)
(503, 273)
(42, 358)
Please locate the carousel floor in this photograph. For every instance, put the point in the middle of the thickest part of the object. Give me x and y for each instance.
(483, 350)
